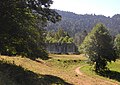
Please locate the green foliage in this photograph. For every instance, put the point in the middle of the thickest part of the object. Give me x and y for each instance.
(21, 27)
(58, 37)
(75, 24)
(67, 39)
(117, 44)
(79, 37)
(99, 47)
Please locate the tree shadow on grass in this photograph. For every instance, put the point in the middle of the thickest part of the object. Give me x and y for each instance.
(21, 76)
(111, 75)
(54, 80)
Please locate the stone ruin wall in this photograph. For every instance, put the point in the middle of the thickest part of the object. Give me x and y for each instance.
(61, 48)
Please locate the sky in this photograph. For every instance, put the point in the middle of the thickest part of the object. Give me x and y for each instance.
(98, 7)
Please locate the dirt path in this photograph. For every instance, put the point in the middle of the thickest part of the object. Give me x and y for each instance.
(77, 70)
(72, 75)
(91, 79)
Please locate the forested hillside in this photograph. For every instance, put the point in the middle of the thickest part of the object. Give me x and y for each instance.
(77, 25)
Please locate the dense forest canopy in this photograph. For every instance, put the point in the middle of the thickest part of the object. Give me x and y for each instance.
(74, 23)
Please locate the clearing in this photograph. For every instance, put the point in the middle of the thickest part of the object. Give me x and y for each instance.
(66, 67)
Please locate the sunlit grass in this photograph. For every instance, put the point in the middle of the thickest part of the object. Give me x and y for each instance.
(57, 65)
(62, 66)
(71, 57)
(113, 66)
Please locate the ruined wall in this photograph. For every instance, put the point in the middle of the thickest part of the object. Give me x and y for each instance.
(62, 48)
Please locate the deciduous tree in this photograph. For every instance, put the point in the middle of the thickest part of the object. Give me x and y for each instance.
(117, 44)
(98, 45)
(21, 27)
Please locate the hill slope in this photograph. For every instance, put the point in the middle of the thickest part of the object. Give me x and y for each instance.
(58, 70)
(74, 23)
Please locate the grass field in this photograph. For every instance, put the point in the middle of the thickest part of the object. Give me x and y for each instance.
(113, 75)
(61, 69)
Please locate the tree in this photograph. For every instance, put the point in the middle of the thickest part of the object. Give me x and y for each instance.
(79, 37)
(21, 27)
(117, 44)
(60, 33)
(58, 37)
(98, 45)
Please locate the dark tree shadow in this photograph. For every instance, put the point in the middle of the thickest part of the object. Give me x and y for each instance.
(22, 76)
(111, 75)
(53, 80)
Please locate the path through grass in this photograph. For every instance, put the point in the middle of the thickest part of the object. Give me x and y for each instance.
(61, 66)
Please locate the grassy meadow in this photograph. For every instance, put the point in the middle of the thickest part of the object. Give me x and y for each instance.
(57, 70)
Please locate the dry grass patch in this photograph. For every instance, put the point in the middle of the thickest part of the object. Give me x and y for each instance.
(61, 66)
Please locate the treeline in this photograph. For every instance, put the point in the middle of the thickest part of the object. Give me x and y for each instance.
(59, 36)
(76, 24)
